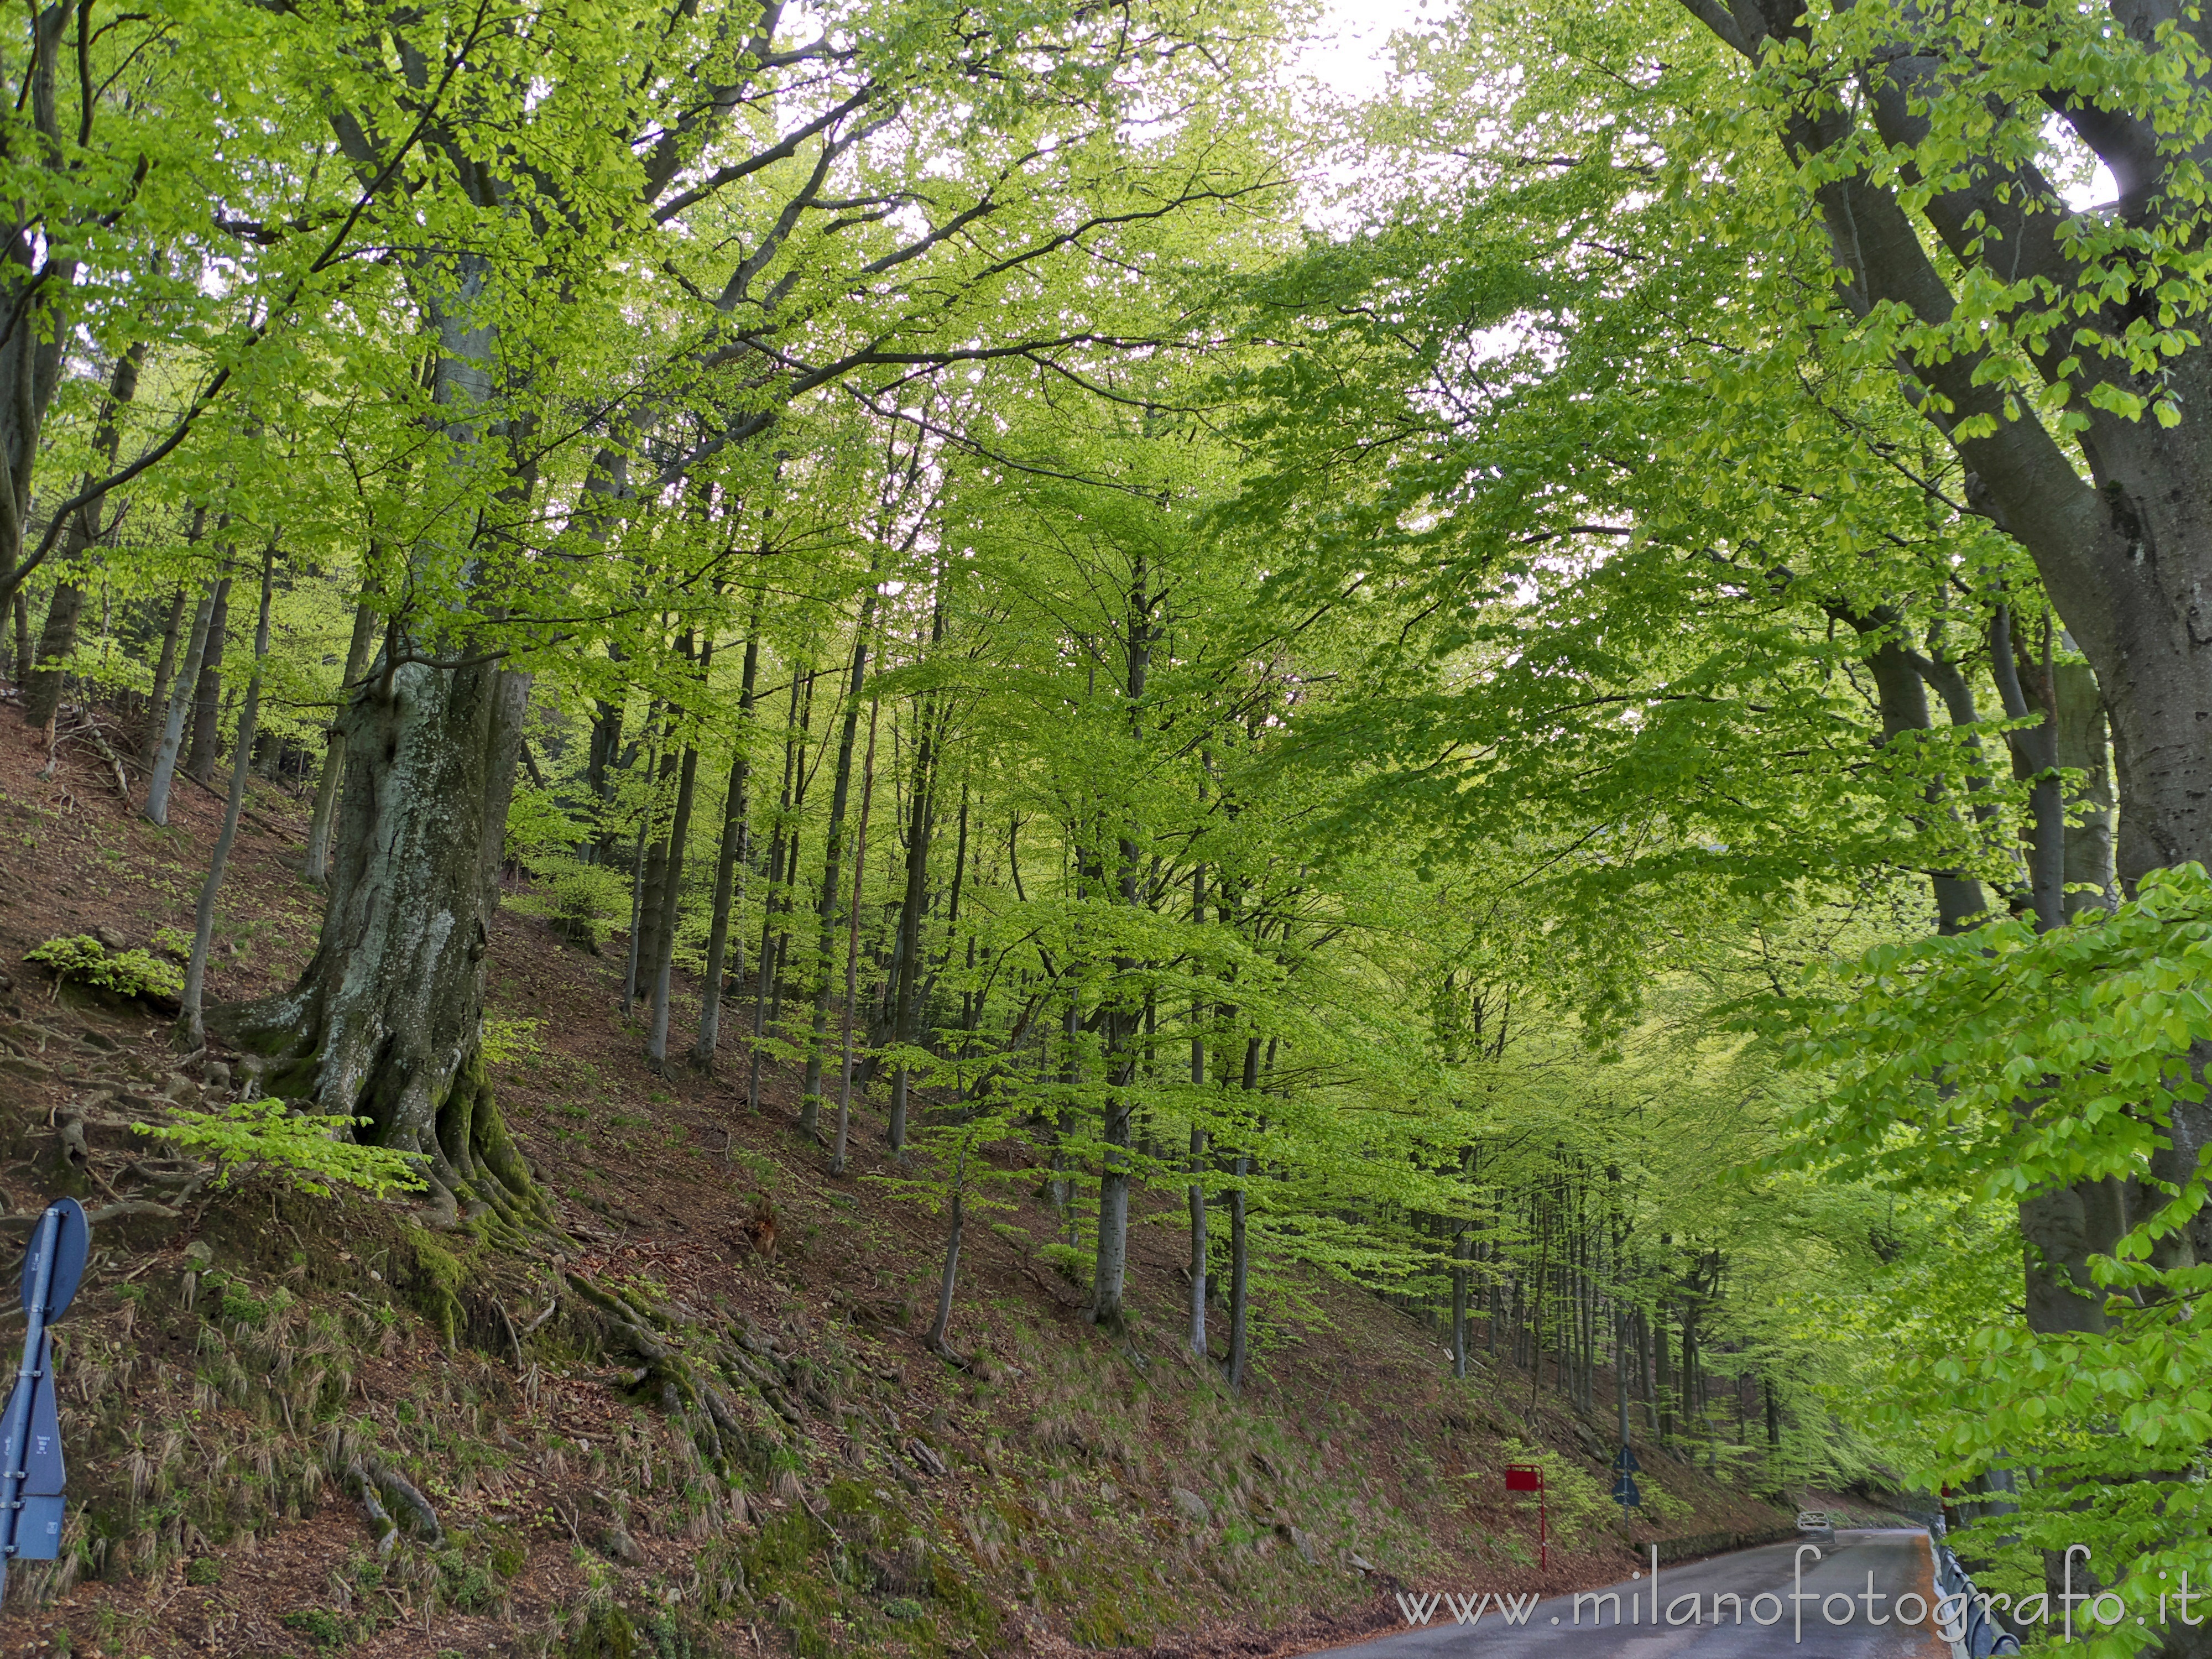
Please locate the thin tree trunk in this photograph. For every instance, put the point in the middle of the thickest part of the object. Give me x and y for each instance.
(1198, 1240)
(1239, 1281)
(853, 943)
(1112, 1254)
(19, 611)
(194, 1028)
(906, 960)
(316, 865)
(783, 856)
(679, 835)
(939, 1336)
(173, 722)
(1460, 1247)
(165, 666)
(833, 864)
(670, 910)
(730, 856)
(207, 691)
(2081, 747)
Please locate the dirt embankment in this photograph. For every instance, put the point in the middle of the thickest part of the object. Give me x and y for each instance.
(700, 1418)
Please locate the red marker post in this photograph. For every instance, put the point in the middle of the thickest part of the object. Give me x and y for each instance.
(1529, 1477)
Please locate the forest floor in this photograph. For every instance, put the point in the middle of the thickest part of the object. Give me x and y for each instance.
(227, 1361)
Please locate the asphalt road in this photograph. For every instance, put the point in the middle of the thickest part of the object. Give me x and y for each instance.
(1595, 1625)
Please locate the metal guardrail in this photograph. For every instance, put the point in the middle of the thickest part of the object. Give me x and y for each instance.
(1972, 1634)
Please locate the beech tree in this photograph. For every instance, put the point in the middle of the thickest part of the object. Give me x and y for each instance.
(791, 202)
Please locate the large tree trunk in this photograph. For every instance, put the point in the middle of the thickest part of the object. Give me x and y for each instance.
(385, 1023)
(2080, 707)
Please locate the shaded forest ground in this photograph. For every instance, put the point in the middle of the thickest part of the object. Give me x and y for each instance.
(227, 1367)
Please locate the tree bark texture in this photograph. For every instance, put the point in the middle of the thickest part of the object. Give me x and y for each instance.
(207, 691)
(316, 867)
(384, 1022)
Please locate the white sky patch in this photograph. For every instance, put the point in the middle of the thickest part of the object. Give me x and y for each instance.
(1344, 61)
(1349, 56)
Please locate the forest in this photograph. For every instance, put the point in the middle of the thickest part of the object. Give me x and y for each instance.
(1566, 697)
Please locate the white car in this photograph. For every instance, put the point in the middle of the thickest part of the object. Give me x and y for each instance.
(1817, 1525)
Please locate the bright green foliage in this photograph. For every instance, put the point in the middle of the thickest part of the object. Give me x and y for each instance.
(506, 1039)
(127, 972)
(1985, 1070)
(264, 1137)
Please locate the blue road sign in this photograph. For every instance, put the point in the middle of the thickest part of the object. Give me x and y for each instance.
(1624, 1493)
(1624, 1461)
(70, 1242)
(32, 1472)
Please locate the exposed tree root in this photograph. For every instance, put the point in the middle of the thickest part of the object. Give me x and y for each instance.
(367, 1479)
(736, 1395)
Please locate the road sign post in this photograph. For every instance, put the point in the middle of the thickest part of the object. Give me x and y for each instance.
(32, 1473)
(1530, 1477)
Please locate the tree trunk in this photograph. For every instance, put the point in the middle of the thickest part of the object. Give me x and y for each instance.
(650, 861)
(1113, 1245)
(730, 855)
(317, 864)
(852, 943)
(940, 1330)
(810, 1099)
(2035, 761)
(670, 910)
(385, 1022)
(906, 955)
(2082, 748)
(782, 857)
(679, 835)
(601, 760)
(1901, 693)
(164, 666)
(173, 722)
(192, 1023)
(56, 639)
(42, 689)
(207, 692)
(1239, 1279)
(1197, 1241)
(1460, 1258)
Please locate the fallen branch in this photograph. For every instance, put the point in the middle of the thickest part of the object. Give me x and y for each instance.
(91, 729)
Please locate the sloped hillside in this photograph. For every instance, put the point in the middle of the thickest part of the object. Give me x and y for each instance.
(700, 1417)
